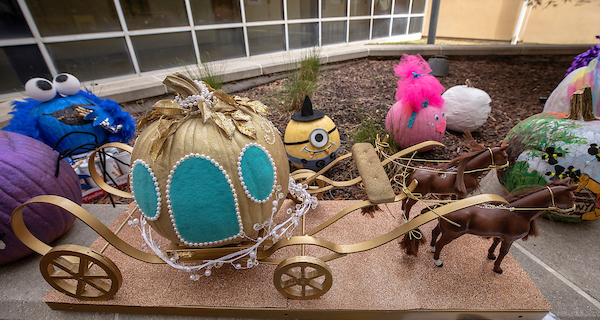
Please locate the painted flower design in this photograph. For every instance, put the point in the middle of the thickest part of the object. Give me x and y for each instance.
(559, 173)
(594, 150)
(551, 155)
(574, 174)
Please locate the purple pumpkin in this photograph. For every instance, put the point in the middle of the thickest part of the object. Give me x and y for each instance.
(27, 169)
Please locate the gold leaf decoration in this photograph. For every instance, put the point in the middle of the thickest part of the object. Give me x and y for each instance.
(225, 111)
(255, 105)
(163, 131)
(246, 128)
(225, 123)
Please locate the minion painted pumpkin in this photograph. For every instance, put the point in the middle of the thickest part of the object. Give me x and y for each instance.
(311, 138)
(208, 170)
(61, 115)
(418, 115)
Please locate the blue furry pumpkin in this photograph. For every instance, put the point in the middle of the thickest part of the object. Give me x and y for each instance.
(73, 123)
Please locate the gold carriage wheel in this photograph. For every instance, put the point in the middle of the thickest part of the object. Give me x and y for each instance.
(302, 278)
(80, 272)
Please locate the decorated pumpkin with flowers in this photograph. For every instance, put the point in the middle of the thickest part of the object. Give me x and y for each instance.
(418, 114)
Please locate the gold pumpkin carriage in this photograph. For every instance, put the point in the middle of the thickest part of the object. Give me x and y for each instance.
(88, 275)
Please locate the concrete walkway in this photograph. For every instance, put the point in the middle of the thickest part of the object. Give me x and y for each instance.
(563, 262)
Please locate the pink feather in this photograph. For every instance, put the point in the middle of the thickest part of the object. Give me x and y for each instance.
(415, 85)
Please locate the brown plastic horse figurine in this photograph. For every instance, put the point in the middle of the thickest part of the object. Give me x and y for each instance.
(460, 176)
(502, 223)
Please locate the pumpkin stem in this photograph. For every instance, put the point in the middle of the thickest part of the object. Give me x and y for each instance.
(183, 85)
(581, 105)
(468, 83)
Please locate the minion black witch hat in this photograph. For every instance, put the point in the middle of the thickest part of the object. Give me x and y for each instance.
(307, 113)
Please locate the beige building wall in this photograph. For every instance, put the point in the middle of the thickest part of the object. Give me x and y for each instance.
(496, 20)
(564, 24)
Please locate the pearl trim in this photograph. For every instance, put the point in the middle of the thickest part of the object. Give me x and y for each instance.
(193, 100)
(273, 232)
(241, 176)
(235, 200)
(156, 188)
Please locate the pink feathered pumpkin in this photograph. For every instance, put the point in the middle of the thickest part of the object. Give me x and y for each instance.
(418, 114)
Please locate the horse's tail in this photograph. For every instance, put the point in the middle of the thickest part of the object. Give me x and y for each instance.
(411, 241)
(533, 230)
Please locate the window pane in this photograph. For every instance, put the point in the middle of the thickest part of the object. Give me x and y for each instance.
(263, 10)
(333, 32)
(418, 6)
(416, 25)
(74, 16)
(359, 30)
(382, 7)
(381, 28)
(401, 6)
(12, 23)
(148, 14)
(265, 39)
(303, 9)
(303, 35)
(92, 59)
(216, 11)
(360, 7)
(334, 8)
(399, 26)
(221, 44)
(162, 51)
(19, 64)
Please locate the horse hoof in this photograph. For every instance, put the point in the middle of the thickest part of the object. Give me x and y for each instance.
(432, 248)
(438, 263)
(498, 271)
(492, 257)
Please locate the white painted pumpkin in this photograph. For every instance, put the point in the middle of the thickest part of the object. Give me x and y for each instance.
(467, 108)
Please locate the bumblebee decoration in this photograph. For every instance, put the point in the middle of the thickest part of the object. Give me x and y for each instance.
(311, 138)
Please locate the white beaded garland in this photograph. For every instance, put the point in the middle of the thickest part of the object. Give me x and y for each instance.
(273, 232)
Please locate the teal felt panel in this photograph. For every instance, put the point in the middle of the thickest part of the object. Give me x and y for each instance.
(202, 202)
(257, 171)
(144, 190)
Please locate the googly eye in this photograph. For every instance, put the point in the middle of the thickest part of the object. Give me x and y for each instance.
(443, 114)
(40, 89)
(436, 117)
(319, 137)
(66, 84)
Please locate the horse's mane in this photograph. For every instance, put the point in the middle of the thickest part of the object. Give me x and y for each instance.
(461, 163)
(529, 190)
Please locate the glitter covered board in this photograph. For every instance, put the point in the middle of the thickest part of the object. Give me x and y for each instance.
(382, 282)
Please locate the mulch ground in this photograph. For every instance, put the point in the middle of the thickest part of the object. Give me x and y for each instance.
(352, 92)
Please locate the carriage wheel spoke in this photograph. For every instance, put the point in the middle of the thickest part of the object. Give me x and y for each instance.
(98, 284)
(83, 267)
(64, 265)
(293, 273)
(315, 284)
(288, 283)
(61, 274)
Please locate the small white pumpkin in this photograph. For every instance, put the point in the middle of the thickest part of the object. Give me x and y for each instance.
(467, 108)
